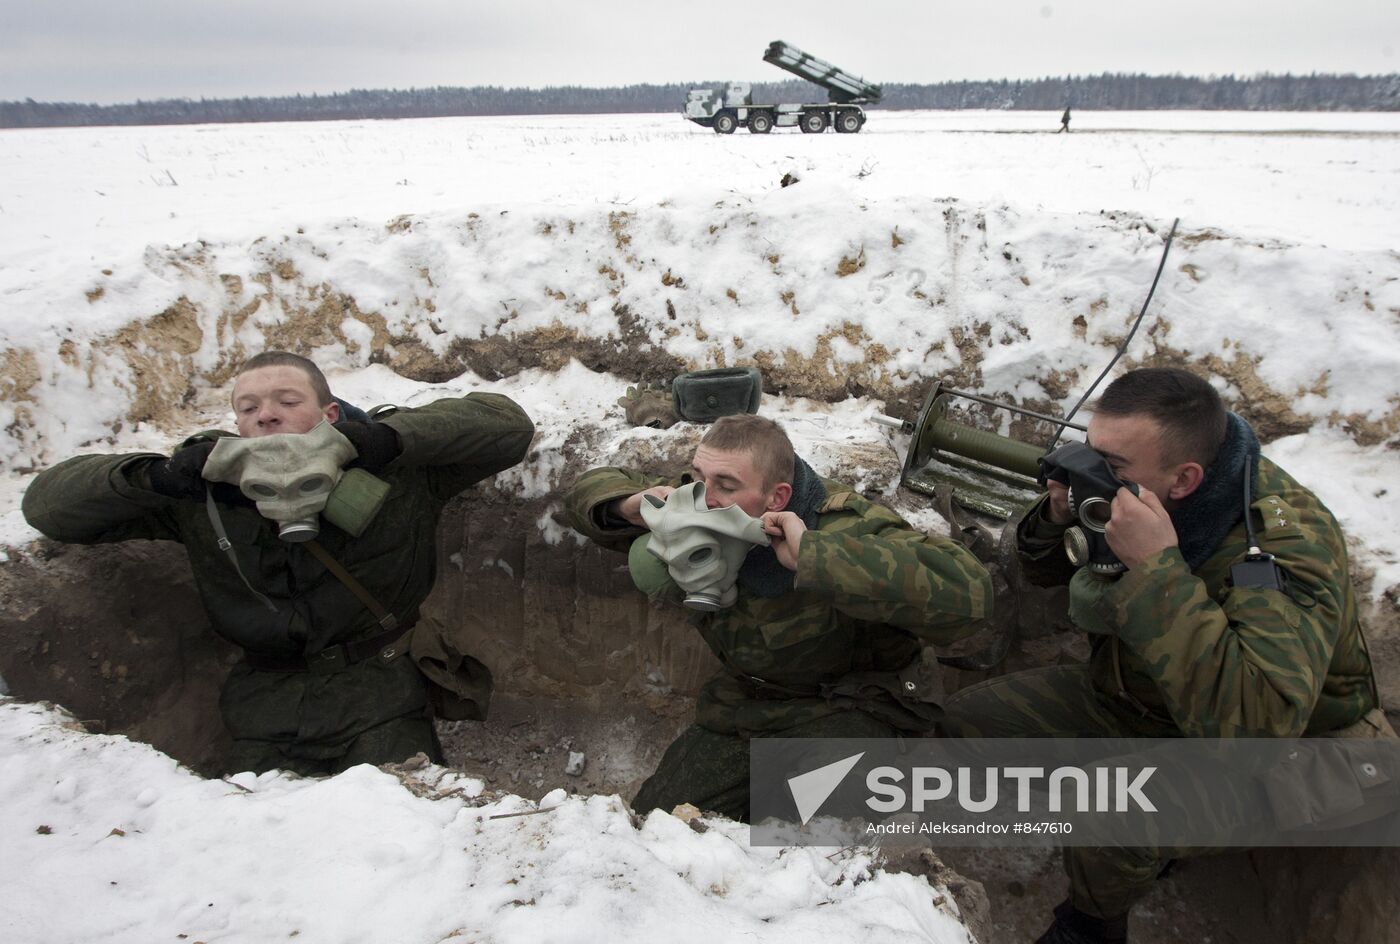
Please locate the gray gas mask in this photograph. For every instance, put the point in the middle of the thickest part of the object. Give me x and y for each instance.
(702, 548)
(296, 477)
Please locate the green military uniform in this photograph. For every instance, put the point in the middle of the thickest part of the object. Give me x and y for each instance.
(321, 721)
(1178, 652)
(822, 659)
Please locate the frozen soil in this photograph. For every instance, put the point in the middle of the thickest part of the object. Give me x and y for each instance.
(1214, 898)
(526, 744)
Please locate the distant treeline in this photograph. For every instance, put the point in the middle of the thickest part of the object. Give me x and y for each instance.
(1105, 92)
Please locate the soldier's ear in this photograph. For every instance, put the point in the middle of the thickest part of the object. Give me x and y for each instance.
(780, 496)
(332, 412)
(1189, 476)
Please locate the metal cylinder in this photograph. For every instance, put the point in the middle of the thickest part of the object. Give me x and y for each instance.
(982, 446)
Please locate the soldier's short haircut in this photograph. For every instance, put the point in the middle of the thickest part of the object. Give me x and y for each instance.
(761, 438)
(1185, 407)
(303, 364)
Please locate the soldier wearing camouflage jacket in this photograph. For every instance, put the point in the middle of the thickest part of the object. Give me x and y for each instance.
(302, 699)
(822, 646)
(1177, 651)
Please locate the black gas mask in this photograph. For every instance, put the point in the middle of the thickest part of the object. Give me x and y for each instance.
(1092, 486)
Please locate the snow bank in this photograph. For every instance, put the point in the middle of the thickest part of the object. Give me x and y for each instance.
(155, 853)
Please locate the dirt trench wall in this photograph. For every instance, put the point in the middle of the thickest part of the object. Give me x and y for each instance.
(1321, 895)
(117, 635)
(560, 619)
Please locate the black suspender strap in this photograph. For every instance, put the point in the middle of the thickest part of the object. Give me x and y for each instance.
(226, 546)
(386, 619)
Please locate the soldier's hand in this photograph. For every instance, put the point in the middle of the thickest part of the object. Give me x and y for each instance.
(179, 476)
(631, 506)
(377, 444)
(786, 530)
(1057, 508)
(1140, 528)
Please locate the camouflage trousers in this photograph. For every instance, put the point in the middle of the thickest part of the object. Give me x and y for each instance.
(710, 770)
(1061, 701)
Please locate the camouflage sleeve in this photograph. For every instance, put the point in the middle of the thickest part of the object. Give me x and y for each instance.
(586, 501)
(1250, 665)
(99, 499)
(464, 439)
(1040, 547)
(886, 572)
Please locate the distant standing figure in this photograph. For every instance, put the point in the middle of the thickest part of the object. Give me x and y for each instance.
(1064, 121)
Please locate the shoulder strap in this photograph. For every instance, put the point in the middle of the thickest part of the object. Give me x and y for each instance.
(386, 619)
(225, 545)
(838, 501)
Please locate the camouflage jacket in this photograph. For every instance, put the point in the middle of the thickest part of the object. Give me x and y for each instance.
(1212, 660)
(869, 593)
(447, 446)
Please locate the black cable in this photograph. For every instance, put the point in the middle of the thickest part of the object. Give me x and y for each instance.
(1260, 569)
(1059, 431)
(1249, 518)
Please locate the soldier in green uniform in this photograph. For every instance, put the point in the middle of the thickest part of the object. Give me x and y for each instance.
(828, 626)
(322, 686)
(1178, 651)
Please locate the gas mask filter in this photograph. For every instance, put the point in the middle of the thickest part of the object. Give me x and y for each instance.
(294, 478)
(703, 548)
(1092, 487)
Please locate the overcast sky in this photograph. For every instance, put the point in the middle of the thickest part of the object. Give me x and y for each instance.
(121, 50)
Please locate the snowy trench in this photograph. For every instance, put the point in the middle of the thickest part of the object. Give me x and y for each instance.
(558, 260)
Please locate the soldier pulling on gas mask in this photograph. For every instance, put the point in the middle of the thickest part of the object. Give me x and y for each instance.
(817, 602)
(312, 537)
(292, 477)
(702, 548)
(1203, 622)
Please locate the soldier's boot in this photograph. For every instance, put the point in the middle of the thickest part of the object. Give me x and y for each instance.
(1073, 926)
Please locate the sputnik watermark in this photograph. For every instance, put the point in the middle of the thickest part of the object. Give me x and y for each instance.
(1103, 790)
(811, 790)
(1117, 789)
(1077, 791)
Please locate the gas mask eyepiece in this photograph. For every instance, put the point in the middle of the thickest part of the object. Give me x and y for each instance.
(295, 504)
(1093, 511)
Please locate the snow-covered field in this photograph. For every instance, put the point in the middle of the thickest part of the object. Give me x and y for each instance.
(931, 243)
(139, 265)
